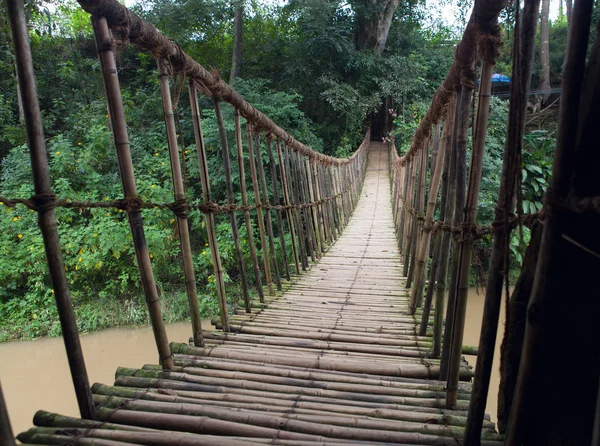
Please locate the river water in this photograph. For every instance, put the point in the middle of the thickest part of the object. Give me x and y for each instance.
(35, 374)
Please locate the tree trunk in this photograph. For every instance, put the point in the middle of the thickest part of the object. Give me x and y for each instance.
(373, 21)
(569, 4)
(236, 59)
(544, 53)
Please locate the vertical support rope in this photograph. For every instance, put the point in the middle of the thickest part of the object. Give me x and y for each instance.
(121, 139)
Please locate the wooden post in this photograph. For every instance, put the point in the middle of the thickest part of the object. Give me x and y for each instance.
(265, 200)
(247, 218)
(46, 215)
(323, 195)
(231, 200)
(286, 199)
(259, 211)
(404, 212)
(179, 195)
(277, 202)
(441, 279)
(119, 129)
(466, 245)
(423, 252)
(410, 211)
(461, 132)
(525, 41)
(206, 198)
(305, 175)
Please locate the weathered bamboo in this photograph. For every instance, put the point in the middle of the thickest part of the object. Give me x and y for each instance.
(247, 218)
(304, 198)
(393, 369)
(134, 215)
(291, 179)
(314, 207)
(437, 128)
(277, 202)
(206, 198)
(46, 215)
(405, 169)
(563, 264)
(525, 41)
(299, 195)
(266, 404)
(179, 196)
(419, 216)
(414, 218)
(52, 435)
(409, 204)
(259, 210)
(470, 219)
(423, 249)
(461, 132)
(319, 207)
(438, 243)
(441, 279)
(323, 195)
(231, 200)
(287, 202)
(331, 201)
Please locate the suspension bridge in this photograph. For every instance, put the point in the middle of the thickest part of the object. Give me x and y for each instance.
(345, 341)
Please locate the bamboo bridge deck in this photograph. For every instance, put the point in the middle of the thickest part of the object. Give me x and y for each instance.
(334, 360)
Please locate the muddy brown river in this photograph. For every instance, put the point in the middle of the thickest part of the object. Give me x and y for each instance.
(35, 374)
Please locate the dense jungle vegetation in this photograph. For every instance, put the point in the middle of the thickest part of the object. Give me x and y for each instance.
(311, 65)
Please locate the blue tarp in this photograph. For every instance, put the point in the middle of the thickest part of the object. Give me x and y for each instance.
(498, 78)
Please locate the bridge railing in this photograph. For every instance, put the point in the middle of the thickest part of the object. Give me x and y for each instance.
(309, 195)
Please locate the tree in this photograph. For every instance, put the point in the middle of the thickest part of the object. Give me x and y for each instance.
(236, 59)
(373, 21)
(544, 53)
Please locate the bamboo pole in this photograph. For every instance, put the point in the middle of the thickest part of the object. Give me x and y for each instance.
(305, 175)
(179, 196)
(405, 170)
(437, 251)
(410, 211)
(121, 139)
(462, 131)
(470, 217)
(46, 215)
(289, 167)
(313, 208)
(418, 227)
(551, 279)
(277, 202)
(413, 220)
(319, 208)
(434, 185)
(325, 208)
(231, 199)
(441, 279)
(298, 193)
(286, 199)
(247, 218)
(303, 193)
(206, 198)
(265, 200)
(331, 202)
(259, 211)
(525, 41)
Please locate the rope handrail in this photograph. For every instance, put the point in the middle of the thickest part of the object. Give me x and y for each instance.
(129, 27)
